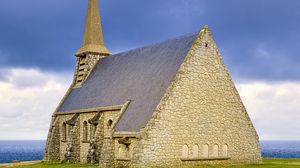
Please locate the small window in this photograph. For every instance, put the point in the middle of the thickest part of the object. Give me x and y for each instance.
(120, 152)
(206, 45)
(185, 152)
(109, 123)
(215, 150)
(205, 151)
(195, 151)
(64, 131)
(225, 150)
(123, 151)
(85, 131)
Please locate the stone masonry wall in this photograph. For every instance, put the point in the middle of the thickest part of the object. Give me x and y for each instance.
(73, 136)
(201, 107)
(52, 146)
(123, 158)
(107, 154)
(85, 145)
(93, 59)
(57, 144)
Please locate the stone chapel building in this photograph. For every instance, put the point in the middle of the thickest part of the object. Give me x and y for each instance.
(164, 105)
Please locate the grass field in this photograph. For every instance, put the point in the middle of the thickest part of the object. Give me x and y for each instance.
(269, 163)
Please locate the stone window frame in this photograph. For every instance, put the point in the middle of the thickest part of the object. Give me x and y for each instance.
(225, 150)
(216, 150)
(195, 151)
(110, 123)
(85, 132)
(185, 151)
(123, 153)
(205, 151)
(64, 132)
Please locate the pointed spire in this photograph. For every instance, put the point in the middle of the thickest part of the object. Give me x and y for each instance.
(93, 41)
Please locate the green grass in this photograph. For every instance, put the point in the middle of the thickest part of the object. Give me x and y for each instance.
(57, 165)
(267, 163)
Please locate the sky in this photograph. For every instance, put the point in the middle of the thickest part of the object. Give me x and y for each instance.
(259, 41)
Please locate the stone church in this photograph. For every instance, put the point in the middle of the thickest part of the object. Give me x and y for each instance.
(170, 104)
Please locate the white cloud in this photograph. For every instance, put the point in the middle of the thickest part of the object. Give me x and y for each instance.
(28, 97)
(274, 108)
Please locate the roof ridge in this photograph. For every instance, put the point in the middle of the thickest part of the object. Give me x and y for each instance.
(157, 43)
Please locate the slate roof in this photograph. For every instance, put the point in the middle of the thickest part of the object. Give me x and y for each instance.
(141, 75)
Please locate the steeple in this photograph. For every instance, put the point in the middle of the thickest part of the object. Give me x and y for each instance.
(93, 41)
(93, 49)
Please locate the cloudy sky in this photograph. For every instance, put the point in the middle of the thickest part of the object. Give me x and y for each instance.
(259, 41)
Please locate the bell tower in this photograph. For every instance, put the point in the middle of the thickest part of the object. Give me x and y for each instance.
(93, 48)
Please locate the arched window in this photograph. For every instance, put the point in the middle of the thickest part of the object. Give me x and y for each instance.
(185, 151)
(205, 151)
(225, 150)
(85, 131)
(64, 131)
(215, 150)
(195, 151)
(109, 123)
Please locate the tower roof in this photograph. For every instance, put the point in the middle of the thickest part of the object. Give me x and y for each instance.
(93, 41)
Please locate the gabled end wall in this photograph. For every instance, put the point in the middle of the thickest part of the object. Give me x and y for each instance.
(200, 108)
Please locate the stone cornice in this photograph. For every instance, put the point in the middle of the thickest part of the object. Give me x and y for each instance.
(123, 109)
(91, 110)
(126, 134)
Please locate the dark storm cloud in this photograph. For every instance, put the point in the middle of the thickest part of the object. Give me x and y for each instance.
(38, 33)
(258, 39)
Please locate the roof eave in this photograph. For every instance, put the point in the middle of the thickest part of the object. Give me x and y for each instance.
(93, 49)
